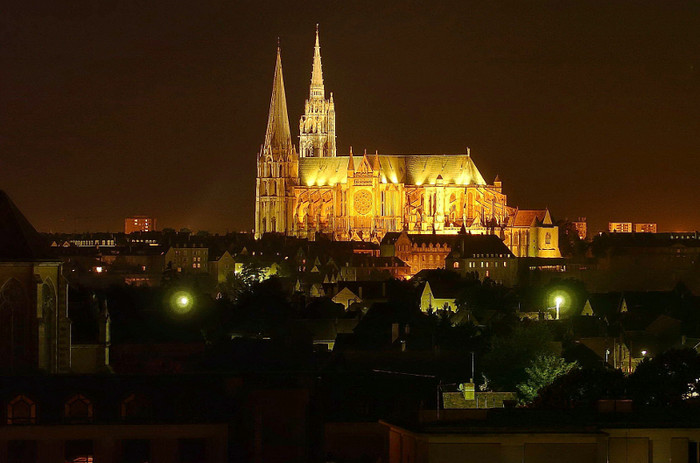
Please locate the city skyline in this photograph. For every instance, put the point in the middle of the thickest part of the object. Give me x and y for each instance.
(165, 116)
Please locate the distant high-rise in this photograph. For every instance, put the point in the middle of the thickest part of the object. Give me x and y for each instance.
(629, 227)
(645, 228)
(139, 223)
(620, 227)
(581, 227)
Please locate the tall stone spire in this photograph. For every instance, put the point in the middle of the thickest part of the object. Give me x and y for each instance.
(278, 135)
(317, 90)
(317, 125)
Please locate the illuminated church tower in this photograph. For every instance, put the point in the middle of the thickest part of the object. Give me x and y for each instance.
(314, 191)
(317, 125)
(278, 164)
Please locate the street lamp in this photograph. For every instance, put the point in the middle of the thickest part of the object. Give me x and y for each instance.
(181, 302)
(558, 300)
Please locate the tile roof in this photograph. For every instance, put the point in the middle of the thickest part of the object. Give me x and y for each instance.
(469, 246)
(525, 218)
(410, 169)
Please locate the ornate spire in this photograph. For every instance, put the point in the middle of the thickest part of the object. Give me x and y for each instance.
(317, 90)
(278, 135)
(375, 165)
(351, 163)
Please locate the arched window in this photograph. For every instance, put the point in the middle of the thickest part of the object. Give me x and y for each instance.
(49, 325)
(21, 410)
(78, 409)
(136, 407)
(548, 238)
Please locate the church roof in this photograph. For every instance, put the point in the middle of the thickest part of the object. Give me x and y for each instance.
(18, 238)
(409, 169)
(528, 218)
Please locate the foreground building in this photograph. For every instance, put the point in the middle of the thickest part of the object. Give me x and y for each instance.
(614, 434)
(35, 331)
(364, 197)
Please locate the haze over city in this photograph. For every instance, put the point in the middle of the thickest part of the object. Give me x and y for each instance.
(121, 108)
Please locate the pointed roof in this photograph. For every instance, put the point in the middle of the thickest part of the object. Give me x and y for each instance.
(18, 238)
(351, 163)
(532, 217)
(317, 89)
(278, 135)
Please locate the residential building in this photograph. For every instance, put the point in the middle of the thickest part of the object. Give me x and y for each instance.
(645, 228)
(484, 256)
(139, 223)
(187, 259)
(620, 227)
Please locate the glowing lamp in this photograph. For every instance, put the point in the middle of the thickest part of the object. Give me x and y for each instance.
(558, 299)
(182, 302)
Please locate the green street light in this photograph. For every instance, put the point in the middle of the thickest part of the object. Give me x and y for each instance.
(181, 302)
(558, 300)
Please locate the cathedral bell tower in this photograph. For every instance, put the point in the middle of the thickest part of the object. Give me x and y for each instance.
(278, 165)
(317, 125)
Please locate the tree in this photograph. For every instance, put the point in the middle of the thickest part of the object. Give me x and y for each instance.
(511, 353)
(666, 379)
(582, 387)
(237, 284)
(541, 373)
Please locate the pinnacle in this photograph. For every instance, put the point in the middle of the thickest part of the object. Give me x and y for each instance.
(278, 134)
(317, 89)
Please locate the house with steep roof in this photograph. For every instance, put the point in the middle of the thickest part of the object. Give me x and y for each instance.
(483, 256)
(532, 233)
(419, 251)
(439, 295)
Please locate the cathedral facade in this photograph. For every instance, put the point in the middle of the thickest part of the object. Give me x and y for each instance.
(311, 189)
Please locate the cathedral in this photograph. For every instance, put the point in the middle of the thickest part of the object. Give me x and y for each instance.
(308, 189)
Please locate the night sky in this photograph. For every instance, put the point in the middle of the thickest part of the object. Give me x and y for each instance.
(118, 107)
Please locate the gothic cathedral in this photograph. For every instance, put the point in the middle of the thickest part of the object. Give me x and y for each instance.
(313, 190)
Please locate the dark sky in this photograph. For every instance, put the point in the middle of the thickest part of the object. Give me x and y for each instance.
(117, 107)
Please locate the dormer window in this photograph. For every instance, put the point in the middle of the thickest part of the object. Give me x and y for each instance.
(78, 409)
(21, 410)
